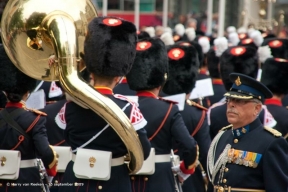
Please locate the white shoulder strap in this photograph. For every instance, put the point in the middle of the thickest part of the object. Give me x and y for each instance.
(97, 135)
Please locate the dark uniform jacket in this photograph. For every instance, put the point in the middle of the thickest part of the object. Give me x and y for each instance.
(37, 145)
(82, 125)
(154, 111)
(55, 133)
(217, 118)
(219, 91)
(280, 114)
(123, 88)
(285, 101)
(258, 158)
(193, 116)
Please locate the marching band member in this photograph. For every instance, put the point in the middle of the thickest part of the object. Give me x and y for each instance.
(164, 121)
(274, 77)
(23, 131)
(109, 50)
(183, 73)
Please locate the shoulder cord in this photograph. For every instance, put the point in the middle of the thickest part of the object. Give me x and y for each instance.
(200, 123)
(211, 154)
(162, 123)
(21, 137)
(97, 135)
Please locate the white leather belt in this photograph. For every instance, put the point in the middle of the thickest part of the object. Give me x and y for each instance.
(28, 163)
(162, 158)
(114, 162)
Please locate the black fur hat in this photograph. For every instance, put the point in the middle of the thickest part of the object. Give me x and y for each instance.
(247, 42)
(279, 47)
(274, 75)
(268, 35)
(183, 69)
(238, 59)
(12, 80)
(197, 47)
(213, 63)
(142, 35)
(110, 46)
(150, 66)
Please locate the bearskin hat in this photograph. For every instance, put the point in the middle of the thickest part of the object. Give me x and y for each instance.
(110, 46)
(150, 66)
(238, 59)
(212, 63)
(248, 42)
(198, 48)
(279, 47)
(274, 75)
(12, 80)
(183, 69)
(142, 35)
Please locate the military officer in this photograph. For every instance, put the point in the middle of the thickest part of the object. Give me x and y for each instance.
(238, 59)
(183, 73)
(164, 121)
(109, 50)
(21, 130)
(247, 156)
(274, 77)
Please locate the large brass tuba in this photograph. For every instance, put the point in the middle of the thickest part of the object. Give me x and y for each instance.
(32, 30)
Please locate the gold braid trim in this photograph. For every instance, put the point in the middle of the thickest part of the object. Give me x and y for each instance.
(55, 159)
(192, 103)
(227, 127)
(273, 131)
(238, 96)
(195, 163)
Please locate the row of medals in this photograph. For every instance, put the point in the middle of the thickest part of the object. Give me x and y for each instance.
(239, 160)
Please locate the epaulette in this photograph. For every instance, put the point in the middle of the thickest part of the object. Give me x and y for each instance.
(167, 100)
(192, 103)
(227, 127)
(37, 112)
(273, 131)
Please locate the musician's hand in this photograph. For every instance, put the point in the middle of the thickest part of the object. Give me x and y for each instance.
(182, 176)
(181, 180)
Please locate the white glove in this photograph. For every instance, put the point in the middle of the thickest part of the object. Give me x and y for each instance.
(176, 169)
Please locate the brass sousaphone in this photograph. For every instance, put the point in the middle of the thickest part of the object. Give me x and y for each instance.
(32, 30)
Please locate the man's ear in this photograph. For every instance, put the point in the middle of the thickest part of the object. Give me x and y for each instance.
(258, 108)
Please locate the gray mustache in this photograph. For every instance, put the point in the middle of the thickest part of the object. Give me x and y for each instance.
(232, 111)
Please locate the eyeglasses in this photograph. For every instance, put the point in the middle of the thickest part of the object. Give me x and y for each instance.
(240, 101)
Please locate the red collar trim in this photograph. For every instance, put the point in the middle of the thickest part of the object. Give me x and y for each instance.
(203, 72)
(146, 94)
(104, 90)
(124, 80)
(17, 105)
(273, 101)
(217, 81)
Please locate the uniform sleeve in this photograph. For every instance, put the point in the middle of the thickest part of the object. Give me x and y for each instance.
(203, 140)
(139, 122)
(47, 154)
(187, 144)
(275, 166)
